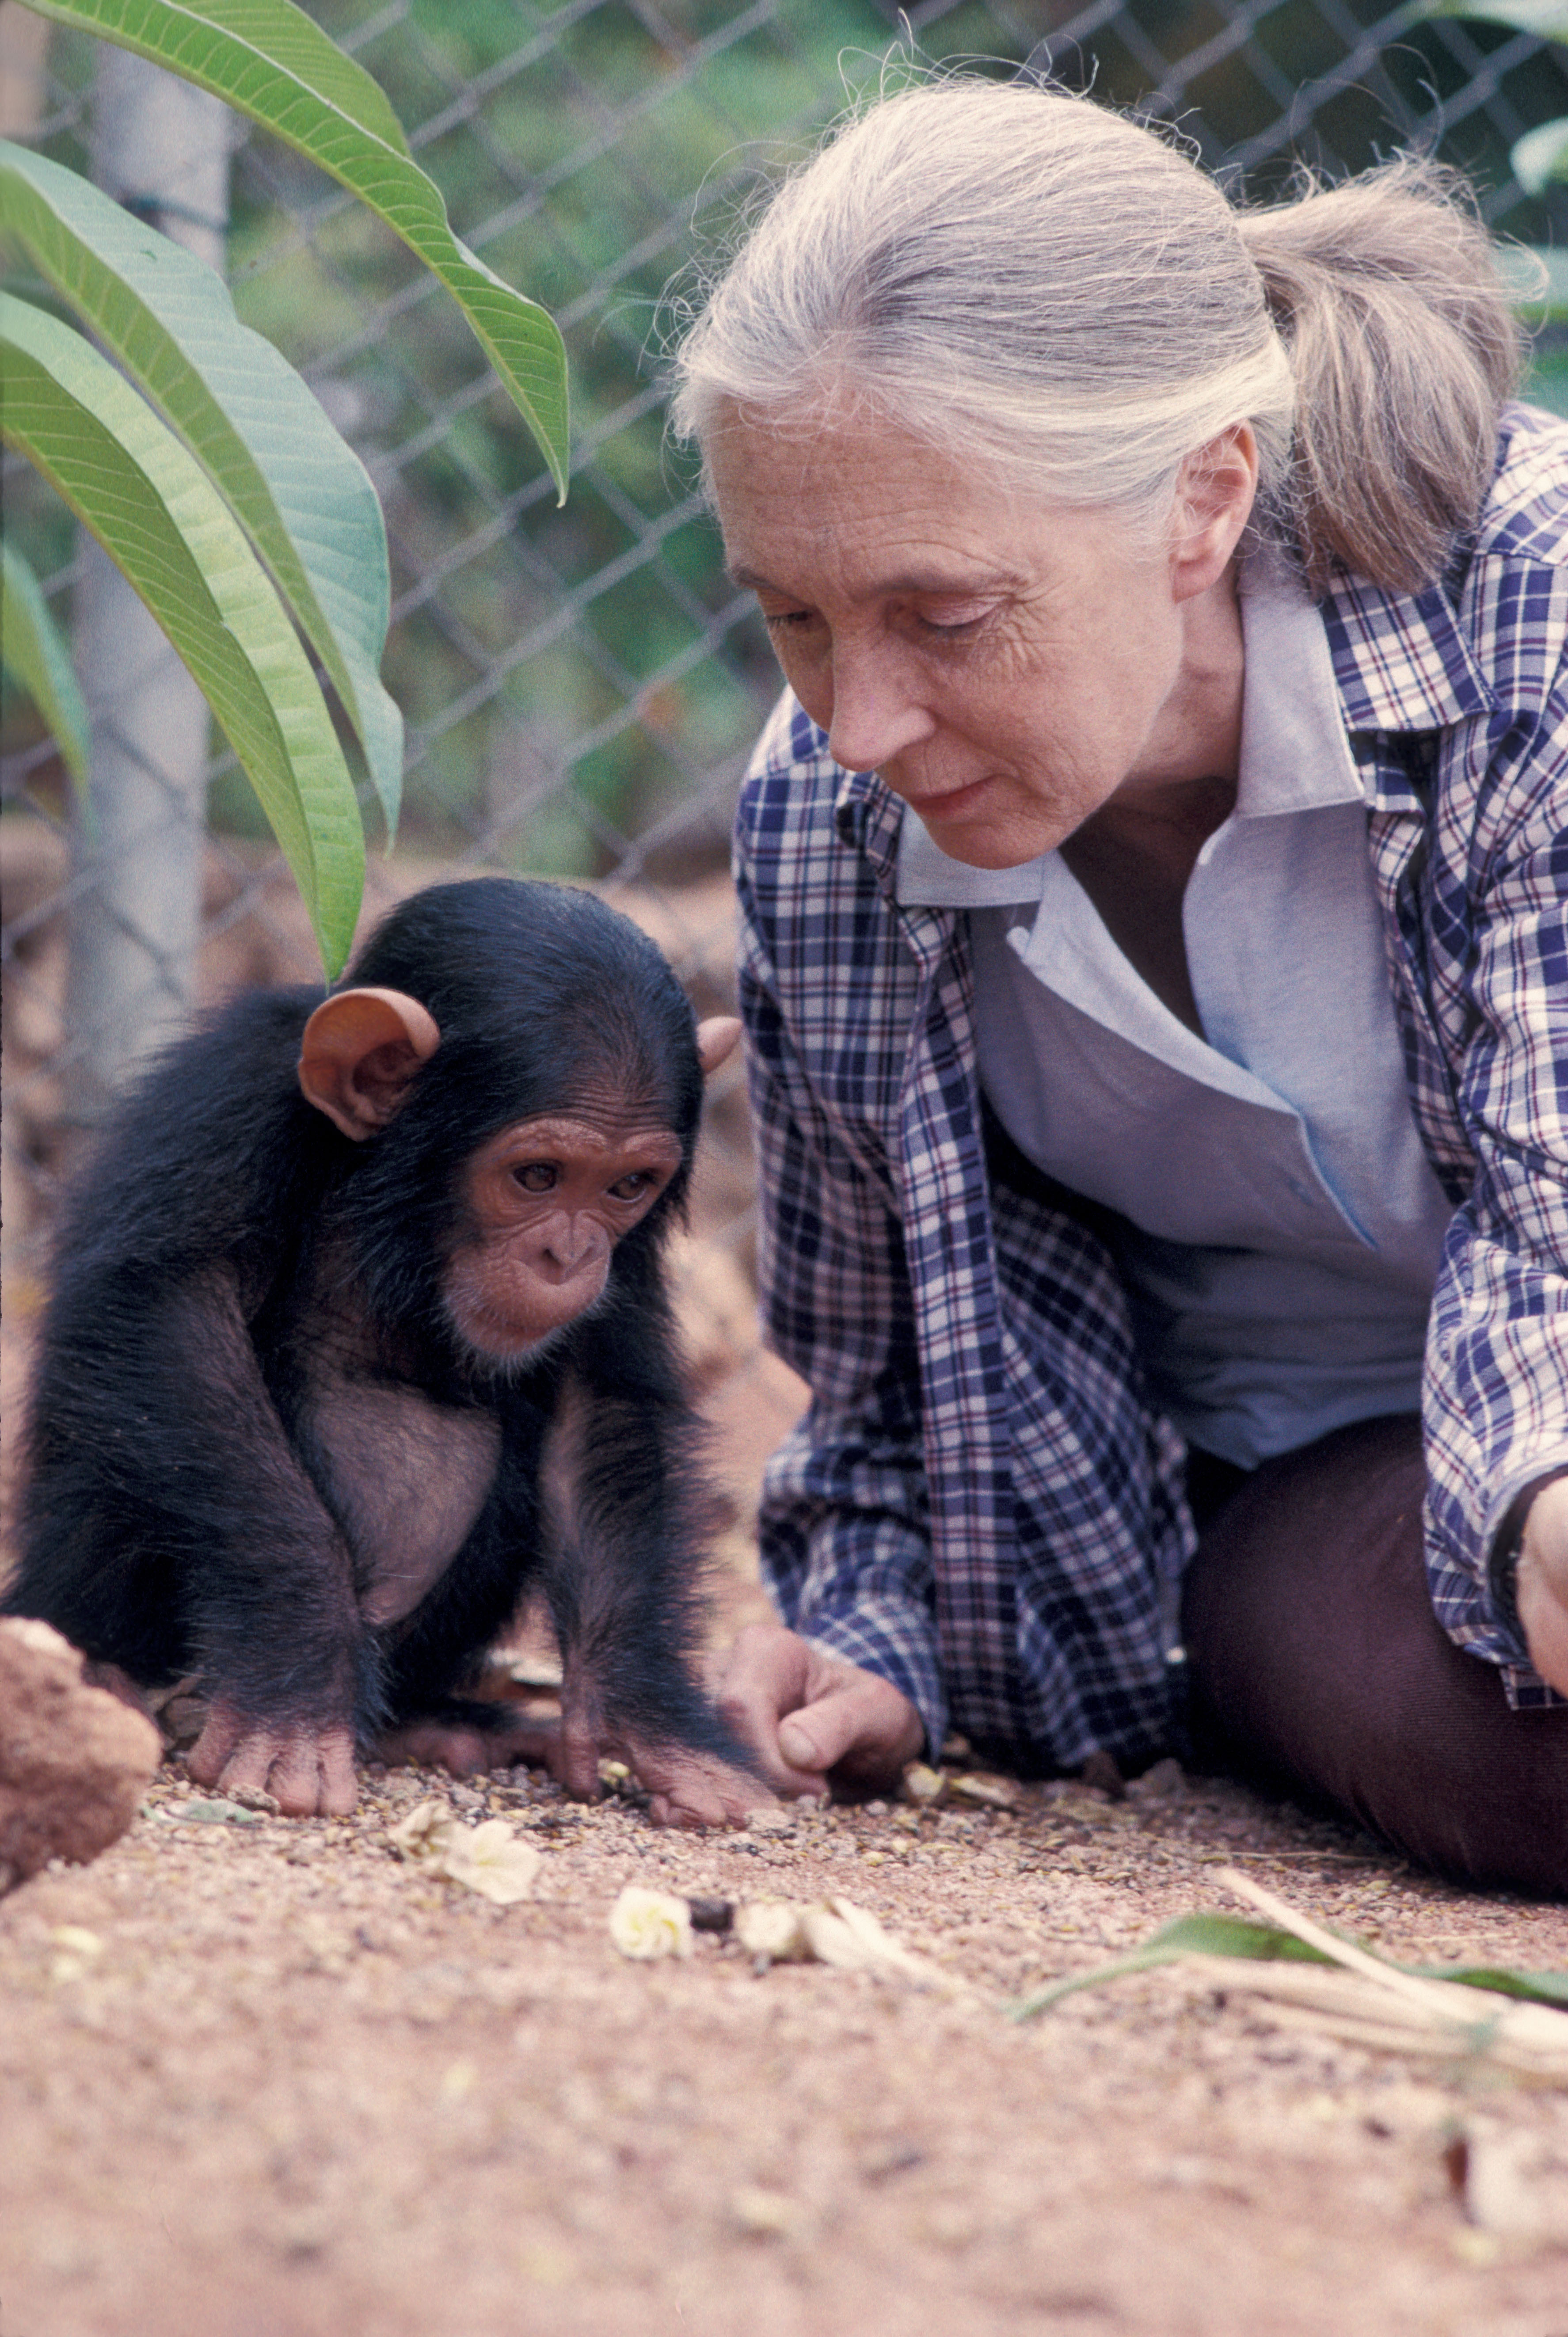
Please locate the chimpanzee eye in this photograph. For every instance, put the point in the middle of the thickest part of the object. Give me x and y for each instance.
(536, 1176)
(632, 1187)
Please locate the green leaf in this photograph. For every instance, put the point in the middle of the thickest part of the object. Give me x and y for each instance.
(1547, 19)
(1534, 1987)
(302, 494)
(1539, 156)
(1233, 1936)
(1187, 1935)
(1536, 275)
(265, 58)
(31, 645)
(159, 517)
(1546, 383)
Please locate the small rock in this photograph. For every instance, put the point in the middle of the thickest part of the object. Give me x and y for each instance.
(252, 1797)
(771, 1822)
(1101, 1772)
(714, 1915)
(763, 2214)
(1162, 1782)
(74, 1760)
(985, 1791)
(925, 1787)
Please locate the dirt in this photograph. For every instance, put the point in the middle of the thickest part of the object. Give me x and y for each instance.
(264, 2079)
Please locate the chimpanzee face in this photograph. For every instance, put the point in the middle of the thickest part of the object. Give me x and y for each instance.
(544, 1203)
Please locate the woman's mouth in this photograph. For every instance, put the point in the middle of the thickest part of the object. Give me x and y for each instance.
(952, 803)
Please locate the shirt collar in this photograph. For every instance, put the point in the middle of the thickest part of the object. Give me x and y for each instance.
(1400, 660)
(1295, 755)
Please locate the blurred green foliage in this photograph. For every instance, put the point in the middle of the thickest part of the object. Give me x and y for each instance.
(581, 686)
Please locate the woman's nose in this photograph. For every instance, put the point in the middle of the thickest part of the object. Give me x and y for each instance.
(876, 713)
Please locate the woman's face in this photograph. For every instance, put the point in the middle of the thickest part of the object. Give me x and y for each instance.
(1007, 665)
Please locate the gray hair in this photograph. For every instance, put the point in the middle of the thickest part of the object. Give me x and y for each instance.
(1039, 284)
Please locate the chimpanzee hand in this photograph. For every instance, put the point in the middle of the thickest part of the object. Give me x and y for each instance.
(309, 1771)
(1542, 1588)
(811, 1716)
(685, 1788)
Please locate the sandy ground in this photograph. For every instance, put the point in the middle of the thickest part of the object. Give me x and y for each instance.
(266, 2079)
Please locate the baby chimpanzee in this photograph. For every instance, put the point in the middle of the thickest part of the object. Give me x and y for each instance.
(359, 1331)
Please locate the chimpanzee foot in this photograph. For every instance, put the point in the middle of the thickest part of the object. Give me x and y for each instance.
(467, 1751)
(308, 1771)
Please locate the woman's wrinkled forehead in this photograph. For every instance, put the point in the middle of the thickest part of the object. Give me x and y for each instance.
(855, 510)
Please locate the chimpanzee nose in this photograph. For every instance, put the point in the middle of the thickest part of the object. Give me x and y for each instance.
(566, 1245)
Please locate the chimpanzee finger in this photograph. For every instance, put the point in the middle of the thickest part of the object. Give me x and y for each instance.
(209, 1757)
(438, 1744)
(308, 1771)
(693, 1789)
(311, 1774)
(575, 1760)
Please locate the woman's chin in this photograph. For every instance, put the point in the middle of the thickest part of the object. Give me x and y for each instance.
(971, 827)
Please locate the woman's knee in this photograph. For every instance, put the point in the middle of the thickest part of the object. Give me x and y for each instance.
(1317, 1662)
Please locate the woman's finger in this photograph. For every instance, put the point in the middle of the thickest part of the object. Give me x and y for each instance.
(862, 1727)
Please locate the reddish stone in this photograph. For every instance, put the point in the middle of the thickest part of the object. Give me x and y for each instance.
(74, 1760)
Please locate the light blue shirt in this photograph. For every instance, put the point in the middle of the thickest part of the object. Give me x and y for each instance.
(1283, 1226)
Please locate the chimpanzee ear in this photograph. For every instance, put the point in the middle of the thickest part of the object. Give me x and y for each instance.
(716, 1040)
(360, 1052)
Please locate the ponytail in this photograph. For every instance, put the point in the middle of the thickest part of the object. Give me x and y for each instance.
(1403, 345)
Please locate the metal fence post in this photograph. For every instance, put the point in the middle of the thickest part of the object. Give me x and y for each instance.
(162, 148)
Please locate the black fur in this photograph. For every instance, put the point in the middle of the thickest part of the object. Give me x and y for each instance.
(174, 1518)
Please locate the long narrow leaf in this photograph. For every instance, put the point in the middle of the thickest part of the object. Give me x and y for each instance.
(1234, 1936)
(31, 645)
(1536, 276)
(255, 54)
(1187, 1935)
(1539, 156)
(303, 496)
(156, 514)
(1548, 19)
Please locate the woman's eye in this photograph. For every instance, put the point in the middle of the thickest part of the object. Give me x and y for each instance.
(952, 623)
(536, 1176)
(632, 1187)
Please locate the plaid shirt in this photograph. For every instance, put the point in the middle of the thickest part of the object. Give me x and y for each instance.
(980, 1503)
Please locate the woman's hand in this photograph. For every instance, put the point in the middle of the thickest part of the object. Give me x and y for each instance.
(1542, 1582)
(806, 1714)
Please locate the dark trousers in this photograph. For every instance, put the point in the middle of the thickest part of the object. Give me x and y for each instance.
(1316, 1663)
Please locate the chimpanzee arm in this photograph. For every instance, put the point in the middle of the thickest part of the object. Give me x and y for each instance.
(172, 1443)
(624, 1528)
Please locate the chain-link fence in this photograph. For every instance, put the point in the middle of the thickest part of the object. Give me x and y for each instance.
(581, 684)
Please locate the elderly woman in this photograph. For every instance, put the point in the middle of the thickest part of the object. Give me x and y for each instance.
(1156, 972)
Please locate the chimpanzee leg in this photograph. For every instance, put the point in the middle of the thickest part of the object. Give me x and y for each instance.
(1316, 1662)
(622, 1575)
(436, 1655)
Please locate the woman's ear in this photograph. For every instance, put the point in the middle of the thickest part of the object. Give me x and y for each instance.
(716, 1040)
(358, 1055)
(1215, 490)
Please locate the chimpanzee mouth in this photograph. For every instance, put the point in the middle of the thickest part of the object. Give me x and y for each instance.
(503, 1355)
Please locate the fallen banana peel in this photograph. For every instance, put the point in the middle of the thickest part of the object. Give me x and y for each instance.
(647, 1924)
(830, 1931)
(1313, 1979)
